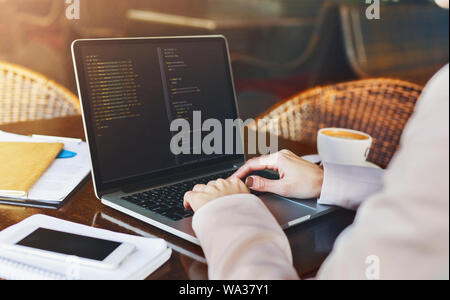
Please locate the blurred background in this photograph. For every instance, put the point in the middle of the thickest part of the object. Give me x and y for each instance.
(278, 47)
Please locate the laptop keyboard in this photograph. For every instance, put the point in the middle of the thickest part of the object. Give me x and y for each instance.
(168, 200)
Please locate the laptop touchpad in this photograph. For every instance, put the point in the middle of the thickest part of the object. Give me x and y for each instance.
(284, 210)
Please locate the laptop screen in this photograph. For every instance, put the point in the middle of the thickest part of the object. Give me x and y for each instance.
(132, 91)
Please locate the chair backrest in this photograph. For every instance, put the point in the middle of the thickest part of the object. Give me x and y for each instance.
(379, 107)
(26, 95)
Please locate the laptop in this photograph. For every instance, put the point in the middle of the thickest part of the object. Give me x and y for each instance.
(131, 91)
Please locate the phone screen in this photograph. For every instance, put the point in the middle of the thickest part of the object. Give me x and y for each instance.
(69, 244)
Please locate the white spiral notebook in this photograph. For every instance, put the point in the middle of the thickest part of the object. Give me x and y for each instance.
(150, 254)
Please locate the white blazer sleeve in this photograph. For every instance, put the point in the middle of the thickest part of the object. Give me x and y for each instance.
(242, 240)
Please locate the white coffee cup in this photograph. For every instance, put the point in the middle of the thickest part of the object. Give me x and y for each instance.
(343, 146)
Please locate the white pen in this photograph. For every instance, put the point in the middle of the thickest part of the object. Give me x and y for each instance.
(57, 138)
(298, 221)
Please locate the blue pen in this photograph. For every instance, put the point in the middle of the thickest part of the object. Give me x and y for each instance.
(66, 154)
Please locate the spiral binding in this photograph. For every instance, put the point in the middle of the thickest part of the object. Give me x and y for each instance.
(13, 270)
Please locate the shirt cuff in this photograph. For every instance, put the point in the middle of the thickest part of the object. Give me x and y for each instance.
(348, 186)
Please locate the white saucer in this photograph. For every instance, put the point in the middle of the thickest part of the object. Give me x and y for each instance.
(315, 159)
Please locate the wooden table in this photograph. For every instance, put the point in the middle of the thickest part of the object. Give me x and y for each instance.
(311, 242)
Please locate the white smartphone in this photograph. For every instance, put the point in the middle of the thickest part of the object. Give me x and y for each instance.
(48, 243)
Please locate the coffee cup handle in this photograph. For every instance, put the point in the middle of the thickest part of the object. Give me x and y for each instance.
(366, 155)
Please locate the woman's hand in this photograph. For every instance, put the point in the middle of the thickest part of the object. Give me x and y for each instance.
(202, 194)
(298, 178)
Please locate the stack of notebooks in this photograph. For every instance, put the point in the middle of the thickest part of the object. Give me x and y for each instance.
(149, 255)
(32, 172)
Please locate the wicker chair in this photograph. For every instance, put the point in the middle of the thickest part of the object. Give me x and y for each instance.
(380, 107)
(26, 95)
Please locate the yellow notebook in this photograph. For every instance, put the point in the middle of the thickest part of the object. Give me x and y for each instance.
(22, 164)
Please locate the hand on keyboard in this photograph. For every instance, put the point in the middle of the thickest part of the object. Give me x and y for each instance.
(168, 200)
(202, 194)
